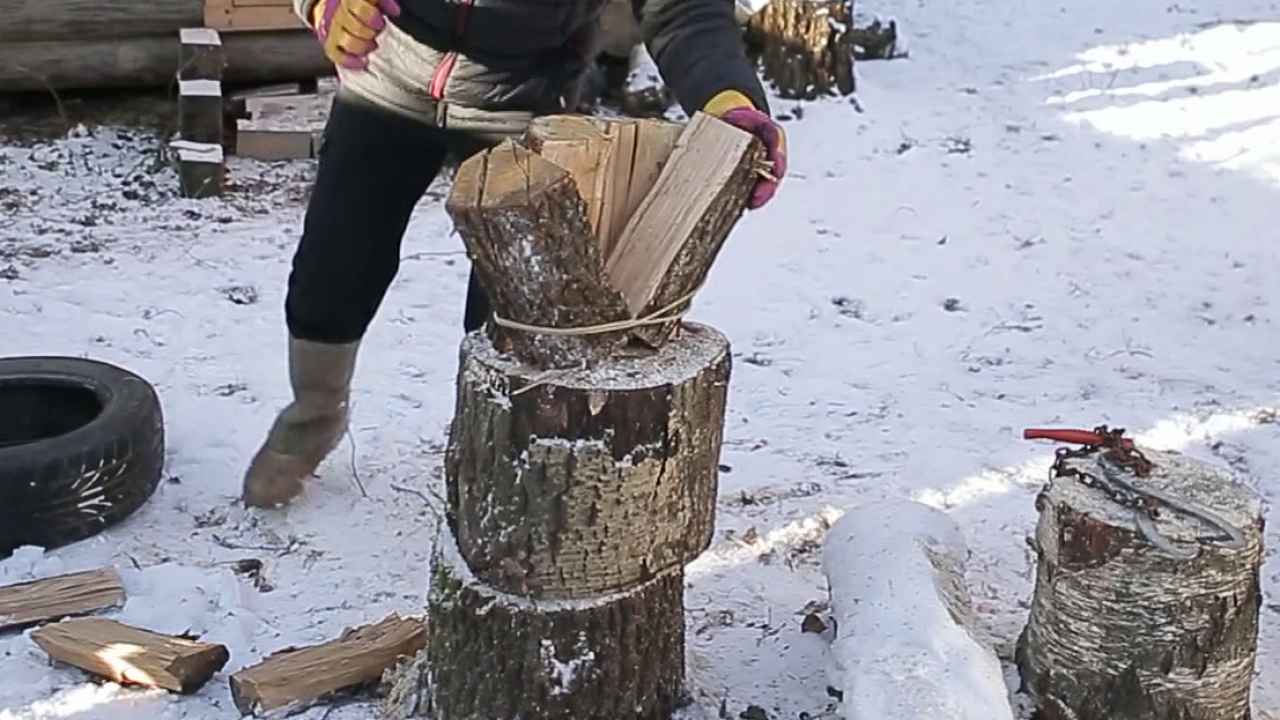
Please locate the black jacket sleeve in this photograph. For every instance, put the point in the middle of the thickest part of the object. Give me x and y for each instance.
(699, 51)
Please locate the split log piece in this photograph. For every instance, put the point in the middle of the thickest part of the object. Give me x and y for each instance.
(200, 55)
(54, 598)
(296, 677)
(588, 481)
(1120, 630)
(502, 657)
(91, 20)
(526, 230)
(132, 656)
(668, 246)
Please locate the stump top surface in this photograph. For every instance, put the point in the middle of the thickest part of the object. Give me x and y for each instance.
(695, 348)
(1183, 477)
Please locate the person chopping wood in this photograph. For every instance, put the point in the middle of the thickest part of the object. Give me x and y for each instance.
(420, 80)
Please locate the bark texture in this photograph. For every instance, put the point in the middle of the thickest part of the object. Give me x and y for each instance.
(1120, 631)
(493, 656)
(805, 46)
(80, 20)
(257, 57)
(526, 229)
(590, 481)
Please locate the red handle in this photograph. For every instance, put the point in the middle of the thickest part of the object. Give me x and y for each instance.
(1077, 437)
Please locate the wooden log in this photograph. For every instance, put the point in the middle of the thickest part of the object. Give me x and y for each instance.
(590, 481)
(526, 230)
(502, 657)
(282, 126)
(896, 572)
(1122, 630)
(54, 598)
(805, 46)
(667, 247)
(26, 21)
(292, 678)
(130, 655)
(143, 62)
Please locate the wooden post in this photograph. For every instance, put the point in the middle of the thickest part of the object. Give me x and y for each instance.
(805, 46)
(574, 505)
(200, 113)
(1120, 629)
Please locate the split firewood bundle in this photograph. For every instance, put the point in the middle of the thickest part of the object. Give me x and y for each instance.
(589, 234)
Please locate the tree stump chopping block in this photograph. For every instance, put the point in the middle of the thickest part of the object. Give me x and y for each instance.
(497, 656)
(1121, 628)
(575, 483)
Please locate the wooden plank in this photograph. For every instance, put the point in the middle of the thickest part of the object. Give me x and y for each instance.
(296, 677)
(130, 655)
(669, 244)
(54, 598)
(228, 16)
(273, 145)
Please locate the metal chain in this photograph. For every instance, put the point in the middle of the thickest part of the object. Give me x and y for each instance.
(1120, 451)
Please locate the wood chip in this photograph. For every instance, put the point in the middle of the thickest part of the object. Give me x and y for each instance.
(54, 598)
(132, 656)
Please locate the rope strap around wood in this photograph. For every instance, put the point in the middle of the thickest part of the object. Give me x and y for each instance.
(660, 316)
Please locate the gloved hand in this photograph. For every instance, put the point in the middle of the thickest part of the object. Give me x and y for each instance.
(737, 109)
(349, 28)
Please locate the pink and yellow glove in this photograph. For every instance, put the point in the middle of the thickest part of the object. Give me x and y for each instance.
(737, 109)
(349, 29)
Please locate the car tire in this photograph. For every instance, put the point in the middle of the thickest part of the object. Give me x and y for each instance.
(81, 448)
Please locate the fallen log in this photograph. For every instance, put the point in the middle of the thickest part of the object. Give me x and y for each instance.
(667, 247)
(26, 21)
(591, 481)
(54, 598)
(1143, 623)
(295, 677)
(258, 57)
(130, 655)
(907, 643)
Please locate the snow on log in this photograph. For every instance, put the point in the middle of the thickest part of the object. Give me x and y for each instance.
(804, 46)
(130, 655)
(1123, 628)
(590, 481)
(500, 656)
(907, 646)
(152, 61)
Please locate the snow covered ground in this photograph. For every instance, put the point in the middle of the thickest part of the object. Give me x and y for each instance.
(1049, 214)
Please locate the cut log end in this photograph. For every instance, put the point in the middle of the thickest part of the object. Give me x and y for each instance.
(548, 477)
(1116, 622)
(618, 656)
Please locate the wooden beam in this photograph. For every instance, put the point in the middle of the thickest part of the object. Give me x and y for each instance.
(582, 146)
(669, 244)
(258, 57)
(130, 655)
(296, 677)
(54, 598)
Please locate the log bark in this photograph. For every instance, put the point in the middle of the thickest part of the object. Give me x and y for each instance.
(1121, 631)
(87, 20)
(526, 230)
(38, 601)
(130, 655)
(668, 246)
(502, 657)
(805, 46)
(591, 481)
(260, 57)
(295, 677)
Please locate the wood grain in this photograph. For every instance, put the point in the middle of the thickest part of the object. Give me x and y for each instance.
(54, 598)
(130, 655)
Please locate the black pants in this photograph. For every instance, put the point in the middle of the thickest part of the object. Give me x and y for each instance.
(374, 166)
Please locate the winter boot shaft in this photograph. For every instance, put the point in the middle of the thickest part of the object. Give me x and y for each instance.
(309, 428)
